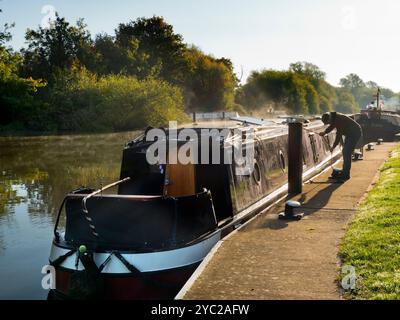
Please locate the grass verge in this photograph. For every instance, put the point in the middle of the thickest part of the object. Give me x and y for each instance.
(372, 241)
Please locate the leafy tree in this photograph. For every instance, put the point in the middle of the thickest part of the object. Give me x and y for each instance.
(5, 35)
(312, 98)
(328, 96)
(297, 101)
(210, 83)
(284, 89)
(346, 102)
(371, 85)
(358, 88)
(352, 82)
(110, 58)
(320, 96)
(387, 93)
(57, 47)
(308, 70)
(17, 104)
(363, 93)
(155, 47)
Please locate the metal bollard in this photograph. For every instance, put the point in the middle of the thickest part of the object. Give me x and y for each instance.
(295, 173)
(289, 211)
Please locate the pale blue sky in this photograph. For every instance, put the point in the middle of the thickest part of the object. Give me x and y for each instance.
(360, 36)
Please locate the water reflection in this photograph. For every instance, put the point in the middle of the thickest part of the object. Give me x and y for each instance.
(35, 175)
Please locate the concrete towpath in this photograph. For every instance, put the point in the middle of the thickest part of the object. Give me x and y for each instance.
(270, 259)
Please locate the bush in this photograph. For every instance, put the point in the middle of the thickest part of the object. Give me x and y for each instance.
(114, 103)
(17, 94)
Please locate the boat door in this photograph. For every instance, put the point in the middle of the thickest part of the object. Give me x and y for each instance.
(180, 180)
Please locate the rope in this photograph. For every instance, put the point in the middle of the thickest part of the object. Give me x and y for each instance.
(129, 266)
(62, 258)
(102, 266)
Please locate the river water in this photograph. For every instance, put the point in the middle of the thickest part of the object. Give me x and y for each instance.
(35, 175)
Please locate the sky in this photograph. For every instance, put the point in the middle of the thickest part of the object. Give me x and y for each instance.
(341, 37)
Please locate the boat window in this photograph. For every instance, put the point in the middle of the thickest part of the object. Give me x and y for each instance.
(257, 173)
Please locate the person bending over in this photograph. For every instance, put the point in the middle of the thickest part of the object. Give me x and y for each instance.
(347, 128)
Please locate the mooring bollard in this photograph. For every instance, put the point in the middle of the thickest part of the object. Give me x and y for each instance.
(295, 174)
(380, 142)
(289, 213)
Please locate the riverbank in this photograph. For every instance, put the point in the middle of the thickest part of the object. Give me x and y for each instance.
(371, 244)
(272, 259)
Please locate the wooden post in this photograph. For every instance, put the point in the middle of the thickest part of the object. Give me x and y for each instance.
(295, 174)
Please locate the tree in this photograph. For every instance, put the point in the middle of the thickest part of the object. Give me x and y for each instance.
(346, 102)
(17, 102)
(57, 47)
(358, 88)
(284, 89)
(312, 98)
(352, 82)
(210, 83)
(328, 96)
(308, 70)
(319, 95)
(387, 93)
(157, 50)
(371, 85)
(110, 58)
(5, 34)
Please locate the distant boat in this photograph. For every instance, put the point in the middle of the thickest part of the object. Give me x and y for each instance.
(378, 123)
(145, 241)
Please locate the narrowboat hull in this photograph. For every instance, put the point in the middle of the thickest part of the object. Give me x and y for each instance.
(146, 246)
(158, 285)
(378, 125)
(161, 274)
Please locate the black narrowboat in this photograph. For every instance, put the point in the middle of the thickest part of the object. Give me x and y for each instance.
(147, 238)
(378, 123)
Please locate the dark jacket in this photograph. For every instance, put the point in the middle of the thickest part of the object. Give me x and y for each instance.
(345, 126)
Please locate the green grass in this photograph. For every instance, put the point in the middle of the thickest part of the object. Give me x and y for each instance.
(372, 241)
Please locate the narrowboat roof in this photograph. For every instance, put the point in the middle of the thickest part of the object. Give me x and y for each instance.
(266, 129)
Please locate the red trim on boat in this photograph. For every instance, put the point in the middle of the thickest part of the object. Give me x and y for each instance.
(146, 286)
